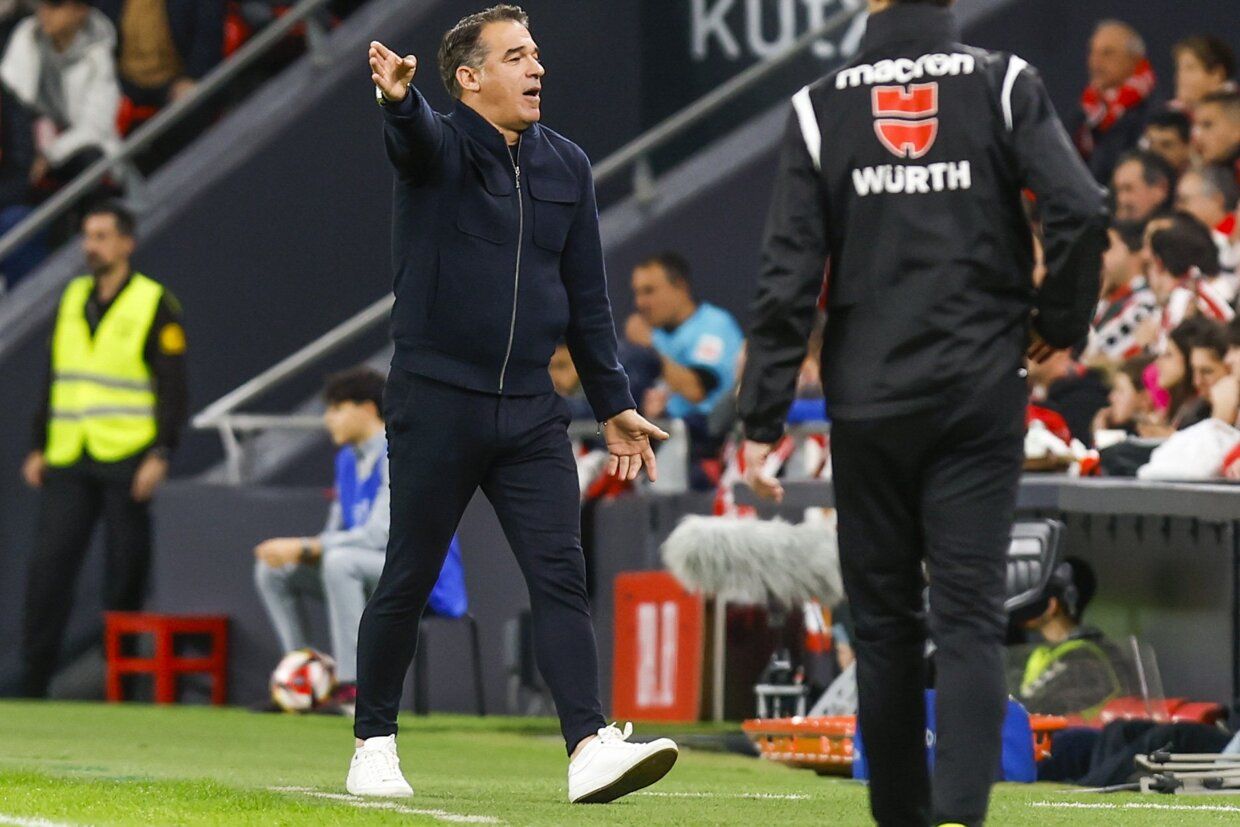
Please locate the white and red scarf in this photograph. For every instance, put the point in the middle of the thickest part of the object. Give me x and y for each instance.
(1103, 108)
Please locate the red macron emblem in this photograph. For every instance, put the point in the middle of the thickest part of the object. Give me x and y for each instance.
(904, 118)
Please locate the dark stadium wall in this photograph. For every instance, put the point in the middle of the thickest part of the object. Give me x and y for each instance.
(689, 47)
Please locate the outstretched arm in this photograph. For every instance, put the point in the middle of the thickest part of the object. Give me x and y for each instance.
(411, 132)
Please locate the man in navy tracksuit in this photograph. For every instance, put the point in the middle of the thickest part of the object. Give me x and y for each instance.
(497, 253)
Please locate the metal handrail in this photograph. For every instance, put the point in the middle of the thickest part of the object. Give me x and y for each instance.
(217, 411)
(170, 116)
(220, 414)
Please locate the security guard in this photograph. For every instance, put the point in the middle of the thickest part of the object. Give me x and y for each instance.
(905, 170)
(114, 406)
(1074, 669)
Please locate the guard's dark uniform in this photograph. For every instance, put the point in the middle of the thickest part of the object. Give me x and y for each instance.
(904, 171)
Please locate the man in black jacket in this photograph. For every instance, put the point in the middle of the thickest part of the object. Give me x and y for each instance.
(498, 257)
(905, 170)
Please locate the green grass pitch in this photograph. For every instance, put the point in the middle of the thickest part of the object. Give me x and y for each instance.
(95, 764)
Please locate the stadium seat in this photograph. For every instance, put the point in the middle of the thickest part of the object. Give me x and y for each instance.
(165, 666)
(129, 116)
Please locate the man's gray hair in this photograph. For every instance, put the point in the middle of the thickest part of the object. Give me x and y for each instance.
(1136, 43)
(1217, 181)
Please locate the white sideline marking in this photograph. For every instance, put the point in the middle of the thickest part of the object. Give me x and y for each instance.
(18, 821)
(1183, 808)
(365, 804)
(762, 796)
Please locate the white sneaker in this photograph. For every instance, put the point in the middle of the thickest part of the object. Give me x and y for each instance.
(609, 767)
(375, 769)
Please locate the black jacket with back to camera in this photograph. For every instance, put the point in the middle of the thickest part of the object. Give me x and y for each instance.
(905, 171)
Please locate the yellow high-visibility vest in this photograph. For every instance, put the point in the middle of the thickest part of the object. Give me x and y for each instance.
(102, 399)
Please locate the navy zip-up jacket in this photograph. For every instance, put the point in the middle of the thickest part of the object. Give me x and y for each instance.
(497, 259)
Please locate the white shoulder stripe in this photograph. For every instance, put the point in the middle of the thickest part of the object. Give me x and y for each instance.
(809, 126)
(1015, 67)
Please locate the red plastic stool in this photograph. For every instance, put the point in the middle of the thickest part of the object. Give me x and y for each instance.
(165, 665)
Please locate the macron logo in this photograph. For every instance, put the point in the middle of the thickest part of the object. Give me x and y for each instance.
(904, 70)
(913, 180)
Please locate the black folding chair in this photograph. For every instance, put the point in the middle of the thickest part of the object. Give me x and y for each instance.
(1035, 550)
(421, 665)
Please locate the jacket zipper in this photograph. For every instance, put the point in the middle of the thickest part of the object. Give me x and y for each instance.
(516, 278)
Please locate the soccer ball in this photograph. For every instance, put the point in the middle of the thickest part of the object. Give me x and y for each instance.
(303, 680)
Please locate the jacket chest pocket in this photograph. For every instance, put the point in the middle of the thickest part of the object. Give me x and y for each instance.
(555, 206)
(487, 210)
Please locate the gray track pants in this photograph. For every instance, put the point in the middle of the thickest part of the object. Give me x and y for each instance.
(345, 577)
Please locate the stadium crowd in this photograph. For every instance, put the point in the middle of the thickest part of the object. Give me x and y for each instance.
(1163, 358)
(78, 76)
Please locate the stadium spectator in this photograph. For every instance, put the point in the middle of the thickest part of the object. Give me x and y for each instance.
(60, 64)
(1074, 669)
(1175, 378)
(1073, 391)
(1212, 379)
(165, 46)
(698, 343)
(1216, 130)
(1115, 104)
(1169, 135)
(1142, 185)
(16, 150)
(1129, 400)
(1127, 301)
(1183, 264)
(16, 164)
(1209, 194)
(1204, 64)
(344, 561)
(111, 416)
